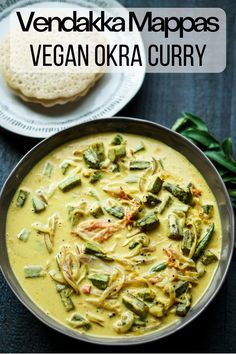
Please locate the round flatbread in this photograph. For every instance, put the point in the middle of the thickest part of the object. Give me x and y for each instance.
(49, 88)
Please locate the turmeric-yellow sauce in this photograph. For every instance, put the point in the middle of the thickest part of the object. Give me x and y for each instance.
(114, 235)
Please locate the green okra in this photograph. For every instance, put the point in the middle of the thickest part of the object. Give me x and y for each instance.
(139, 165)
(74, 214)
(184, 195)
(187, 242)
(117, 140)
(64, 167)
(48, 168)
(155, 185)
(116, 152)
(34, 271)
(96, 176)
(66, 300)
(208, 257)
(139, 147)
(96, 210)
(159, 267)
(69, 183)
(148, 222)
(183, 307)
(208, 209)
(116, 211)
(181, 288)
(38, 204)
(175, 231)
(135, 304)
(21, 198)
(202, 244)
(146, 294)
(94, 155)
(165, 203)
(93, 249)
(101, 281)
(78, 321)
(150, 200)
(24, 234)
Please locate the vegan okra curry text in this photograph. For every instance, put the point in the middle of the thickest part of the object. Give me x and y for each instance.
(114, 235)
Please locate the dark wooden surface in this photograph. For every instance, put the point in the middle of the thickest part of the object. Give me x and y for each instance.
(161, 99)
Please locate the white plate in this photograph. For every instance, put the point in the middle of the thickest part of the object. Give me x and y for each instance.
(108, 96)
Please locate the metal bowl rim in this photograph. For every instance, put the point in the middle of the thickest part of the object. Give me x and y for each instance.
(59, 327)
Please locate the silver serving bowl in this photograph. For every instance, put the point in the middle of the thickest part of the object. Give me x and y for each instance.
(135, 126)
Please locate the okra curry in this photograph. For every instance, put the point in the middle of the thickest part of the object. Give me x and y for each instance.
(114, 235)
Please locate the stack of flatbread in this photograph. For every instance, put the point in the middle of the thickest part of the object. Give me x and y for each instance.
(47, 89)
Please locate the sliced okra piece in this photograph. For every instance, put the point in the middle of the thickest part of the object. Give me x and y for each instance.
(155, 185)
(175, 231)
(38, 204)
(146, 294)
(94, 155)
(92, 248)
(69, 183)
(78, 321)
(135, 304)
(96, 176)
(208, 257)
(181, 288)
(101, 281)
(208, 209)
(184, 195)
(48, 168)
(202, 244)
(34, 271)
(187, 242)
(21, 198)
(116, 152)
(64, 167)
(148, 222)
(166, 201)
(150, 200)
(66, 300)
(96, 210)
(116, 211)
(117, 140)
(24, 234)
(159, 267)
(139, 165)
(183, 307)
(139, 147)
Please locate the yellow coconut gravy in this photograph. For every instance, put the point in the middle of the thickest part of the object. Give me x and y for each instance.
(114, 235)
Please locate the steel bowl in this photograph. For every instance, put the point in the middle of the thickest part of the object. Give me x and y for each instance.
(135, 126)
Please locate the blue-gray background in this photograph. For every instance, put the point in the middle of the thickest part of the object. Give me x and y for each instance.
(161, 99)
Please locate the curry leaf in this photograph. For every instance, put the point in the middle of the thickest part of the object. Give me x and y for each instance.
(221, 154)
(188, 120)
(201, 137)
(227, 147)
(179, 124)
(220, 158)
